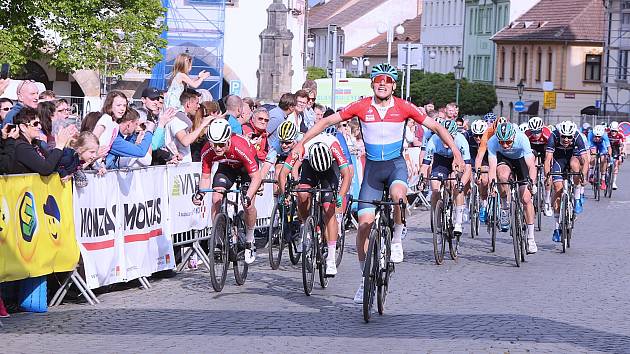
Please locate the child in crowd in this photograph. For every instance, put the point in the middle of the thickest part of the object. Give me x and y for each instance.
(106, 129)
(83, 155)
(180, 79)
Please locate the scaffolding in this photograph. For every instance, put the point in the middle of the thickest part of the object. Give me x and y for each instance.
(615, 86)
(197, 28)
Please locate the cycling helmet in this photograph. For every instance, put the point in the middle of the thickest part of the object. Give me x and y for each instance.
(287, 131)
(535, 123)
(614, 126)
(439, 120)
(586, 127)
(478, 127)
(523, 127)
(599, 131)
(506, 132)
(451, 126)
(490, 117)
(384, 69)
(567, 128)
(219, 131)
(320, 157)
(332, 130)
(502, 120)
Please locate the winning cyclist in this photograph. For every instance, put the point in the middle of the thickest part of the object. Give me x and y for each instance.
(236, 157)
(617, 142)
(565, 149)
(318, 169)
(441, 158)
(538, 136)
(598, 140)
(382, 119)
(509, 153)
(473, 136)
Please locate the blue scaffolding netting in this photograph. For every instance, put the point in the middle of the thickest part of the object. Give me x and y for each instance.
(195, 27)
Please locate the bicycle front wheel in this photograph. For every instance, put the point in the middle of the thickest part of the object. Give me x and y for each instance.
(474, 212)
(370, 274)
(308, 255)
(515, 232)
(341, 241)
(294, 229)
(239, 265)
(275, 243)
(385, 268)
(219, 251)
(564, 224)
(439, 232)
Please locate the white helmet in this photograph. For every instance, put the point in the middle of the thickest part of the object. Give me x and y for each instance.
(567, 128)
(219, 131)
(535, 123)
(599, 131)
(523, 127)
(614, 126)
(478, 127)
(319, 156)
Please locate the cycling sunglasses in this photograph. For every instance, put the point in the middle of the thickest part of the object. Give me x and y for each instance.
(286, 142)
(219, 145)
(381, 78)
(506, 142)
(567, 137)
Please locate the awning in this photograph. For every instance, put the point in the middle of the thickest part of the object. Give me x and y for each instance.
(590, 111)
(531, 108)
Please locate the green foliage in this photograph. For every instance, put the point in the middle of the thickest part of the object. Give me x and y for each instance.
(474, 98)
(314, 73)
(82, 34)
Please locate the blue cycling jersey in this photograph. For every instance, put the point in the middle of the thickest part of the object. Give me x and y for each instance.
(435, 146)
(602, 144)
(520, 148)
(576, 148)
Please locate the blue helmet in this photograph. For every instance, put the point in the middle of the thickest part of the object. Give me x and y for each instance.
(384, 69)
(490, 117)
(451, 126)
(332, 130)
(506, 132)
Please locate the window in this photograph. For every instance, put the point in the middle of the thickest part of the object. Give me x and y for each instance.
(622, 71)
(502, 64)
(625, 5)
(471, 21)
(625, 19)
(549, 64)
(489, 20)
(500, 17)
(525, 59)
(593, 67)
(513, 64)
(538, 64)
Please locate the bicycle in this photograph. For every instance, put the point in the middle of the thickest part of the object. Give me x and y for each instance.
(443, 228)
(473, 205)
(492, 221)
(314, 247)
(567, 210)
(284, 228)
(378, 265)
(517, 226)
(539, 197)
(610, 175)
(596, 183)
(227, 243)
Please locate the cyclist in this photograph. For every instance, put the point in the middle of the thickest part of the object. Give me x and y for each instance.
(565, 149)
(538, 136)
(509, 153)
(236, 157)
(523, 127)
(599, 143)
(317, 168)
(288, 135)
(441, 158)
(473, 136)
(382, 118)
(617, 142)
(489, 133)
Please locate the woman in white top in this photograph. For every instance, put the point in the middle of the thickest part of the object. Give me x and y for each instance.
(106, 128)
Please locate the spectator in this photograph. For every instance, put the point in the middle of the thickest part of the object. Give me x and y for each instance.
(27, 95)
(234, 106)
(47, 96)
(309, 113)
(205, 109)
(29, 157)
(256, 132)
(106, 129)
(180, 79)
(152, 102)
(126, 143)
(278, 115)
(301, 102)
(5, 106)
(89, 121)
(83, 154)
(7, 148)
(247, 109)
(179, 134)
(46, 111)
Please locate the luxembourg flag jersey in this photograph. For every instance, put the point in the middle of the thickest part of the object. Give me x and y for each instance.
(383, 128)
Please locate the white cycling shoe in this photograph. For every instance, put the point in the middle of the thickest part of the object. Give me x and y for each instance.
(358, 296)
(397, 252)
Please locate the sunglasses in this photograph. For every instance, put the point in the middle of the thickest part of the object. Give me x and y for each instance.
(567, 137)
(6, 109)
(506, 142)
(536, 132)
(286, 142)
(478, 136)
(301, 103)
(381, 78)
(156, 98)
(219, 145)
(34, 124)
(311, 99)
(343, 125)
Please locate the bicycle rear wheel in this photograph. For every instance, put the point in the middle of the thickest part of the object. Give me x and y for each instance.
(564, 223)
(308, 255)
(321, 259)
(439, 232)
(239, 265)
(219, 249)
(597, 176)
(294, 229)
(474, 211)
(609, 182)
(385, 268)
(341, 241)
(370, 274)
(515, 231)
(277, 238)
(492, 222)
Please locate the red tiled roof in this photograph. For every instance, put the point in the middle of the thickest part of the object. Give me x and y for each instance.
(377, 46)
(339, 12)
(558, 20)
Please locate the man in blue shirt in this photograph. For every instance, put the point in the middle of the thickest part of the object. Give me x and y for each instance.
(233, 110)
(278, 115)
(27, 95)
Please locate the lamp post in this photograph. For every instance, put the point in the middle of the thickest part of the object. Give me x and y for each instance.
(520, 87)
(388, 28)
(310, 44)
(459, 72)
(360, 63)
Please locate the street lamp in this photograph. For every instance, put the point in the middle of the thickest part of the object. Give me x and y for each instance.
(360, 63)
(388, 28)
(310, 44)
(459, 72)
(520, 87)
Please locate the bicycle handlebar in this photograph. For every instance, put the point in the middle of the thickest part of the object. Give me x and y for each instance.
(377, 202)
(222, 191)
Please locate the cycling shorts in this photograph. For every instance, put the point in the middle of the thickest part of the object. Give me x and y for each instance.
(441, 167)
(226, 176)
(325, 180)
(519, 168)
(616, 150)
(379, 175)
(540, 150)
(599, 148)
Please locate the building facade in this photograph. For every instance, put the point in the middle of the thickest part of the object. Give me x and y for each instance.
(615, 86)
(442, 34)
(547, 45)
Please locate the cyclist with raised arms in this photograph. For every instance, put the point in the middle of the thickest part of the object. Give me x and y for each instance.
(317, 168)
(538, 136)
(440, 157)
(509, 153)
(617, 142)
(473, 136)
(236, 157)
(382, 118)
(599, 143)
(566, 150)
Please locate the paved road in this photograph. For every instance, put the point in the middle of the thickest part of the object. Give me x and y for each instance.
(575, 302)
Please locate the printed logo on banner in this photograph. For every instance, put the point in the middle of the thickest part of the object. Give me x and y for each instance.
(143, 215)
(28, 226)
(4, 220)
(52, 218)
(185, 184)
(98, 222)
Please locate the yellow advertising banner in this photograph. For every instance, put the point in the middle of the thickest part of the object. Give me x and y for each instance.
(549, 100)
(36, 227)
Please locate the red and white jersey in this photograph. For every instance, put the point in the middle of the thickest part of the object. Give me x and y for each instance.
(261, 145)
(383, 128)
(540, 140)
(330, 141)
(616, 138)
(240, 154)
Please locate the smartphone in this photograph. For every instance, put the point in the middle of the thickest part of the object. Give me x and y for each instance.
(10, 127)
(4, 71)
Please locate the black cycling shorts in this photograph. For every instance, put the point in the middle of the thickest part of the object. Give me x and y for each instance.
(226, 176)
(328, 179)
(518, 166)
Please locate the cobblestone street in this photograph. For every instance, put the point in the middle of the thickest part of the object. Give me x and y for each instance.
(574, 302)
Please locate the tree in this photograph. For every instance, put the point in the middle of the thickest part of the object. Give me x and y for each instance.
(314, 73)
(82, 34)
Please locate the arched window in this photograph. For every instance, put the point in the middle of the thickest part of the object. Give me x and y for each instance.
(538, 64)
(502, 64)
(525, 62)
(500, 108)
(513, 64)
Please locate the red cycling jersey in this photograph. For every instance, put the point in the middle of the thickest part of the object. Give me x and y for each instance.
(240, 154)
(257, 139)
(542, 139)
(616, 138)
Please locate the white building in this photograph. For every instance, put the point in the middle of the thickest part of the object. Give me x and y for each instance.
(442, 34)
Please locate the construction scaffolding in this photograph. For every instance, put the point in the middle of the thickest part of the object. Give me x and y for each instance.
(615, 85)
(197, 28)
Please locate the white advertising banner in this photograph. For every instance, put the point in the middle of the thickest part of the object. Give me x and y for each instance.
(182, 182)
(412, 157)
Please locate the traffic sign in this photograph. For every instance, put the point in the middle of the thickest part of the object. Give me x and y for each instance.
(235, 87)
(598, 103)
(549, 100)
(625, 128)
(519, 106)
